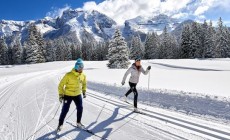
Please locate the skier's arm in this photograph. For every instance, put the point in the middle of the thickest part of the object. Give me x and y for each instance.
(61, 85)
(126, 74)
(145, 72)
(84, 84)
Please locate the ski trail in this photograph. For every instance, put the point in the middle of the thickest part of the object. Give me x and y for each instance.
(197, 129)
(145, 124)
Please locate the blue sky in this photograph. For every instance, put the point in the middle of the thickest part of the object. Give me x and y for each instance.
(33, 9)
(119, 10)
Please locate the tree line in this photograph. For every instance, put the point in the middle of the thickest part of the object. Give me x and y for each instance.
(196, 41)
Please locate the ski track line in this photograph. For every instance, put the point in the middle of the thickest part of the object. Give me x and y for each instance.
(48, 114)
(42, 118)
(131, 119)
(199, 128)
(6, 90)
(175, 124)
(173, 136)
(11, 89)
(119, 127)
(14, 85)
(181, 120)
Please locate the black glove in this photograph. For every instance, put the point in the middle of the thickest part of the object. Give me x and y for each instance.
(149, 68)
(61, 98)
(84, 96)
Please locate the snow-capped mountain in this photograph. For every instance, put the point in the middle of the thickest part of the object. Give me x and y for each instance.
(94, 23)
(82, 23)
(89, 24)
(143, 25)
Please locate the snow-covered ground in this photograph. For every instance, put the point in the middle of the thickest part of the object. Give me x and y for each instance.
(186, 99)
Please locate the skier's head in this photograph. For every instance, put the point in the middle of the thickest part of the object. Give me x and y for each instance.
(79, 65)
(138, 61)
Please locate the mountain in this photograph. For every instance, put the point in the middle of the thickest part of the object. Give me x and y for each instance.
(142, 25)
(91, 25)
(82, 23)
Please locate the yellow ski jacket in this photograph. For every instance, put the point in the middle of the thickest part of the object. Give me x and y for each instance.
(72, 84)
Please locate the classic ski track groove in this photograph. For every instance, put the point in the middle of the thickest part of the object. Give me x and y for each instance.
(173, 136)
(189, 125)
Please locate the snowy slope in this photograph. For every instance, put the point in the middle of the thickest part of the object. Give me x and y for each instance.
(28, 100)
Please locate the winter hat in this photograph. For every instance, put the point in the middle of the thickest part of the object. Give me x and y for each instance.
(79, 64)
(137, 59)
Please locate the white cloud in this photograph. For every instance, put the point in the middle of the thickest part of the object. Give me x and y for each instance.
(121, 10)
(57, 12)
(180, 15)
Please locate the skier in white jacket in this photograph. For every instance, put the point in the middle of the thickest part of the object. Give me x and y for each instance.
(135, 71)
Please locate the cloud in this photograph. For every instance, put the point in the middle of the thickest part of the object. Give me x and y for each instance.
(57, 12)
(121, 10)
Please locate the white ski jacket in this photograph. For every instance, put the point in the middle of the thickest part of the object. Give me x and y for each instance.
(135, 74)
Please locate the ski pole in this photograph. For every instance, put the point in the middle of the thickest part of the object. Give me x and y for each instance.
(149, 80)
(148, 87)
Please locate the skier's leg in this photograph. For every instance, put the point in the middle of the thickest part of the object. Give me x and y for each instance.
(135, 96)
(130, 90)
(65, 108)
(79, 106)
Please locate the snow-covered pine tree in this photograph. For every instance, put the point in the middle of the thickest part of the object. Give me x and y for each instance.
(196, 46)
(37, 54)
(50, 51)
(4, 60)
(59, 52)
(67, 50)
(118, 54)
(222, 44)
(152, 43)
(32, 56)
(168, 46)
(17, 52)
(86, 48)
(185, 42)
(136, 49)
(209, 39)
(38, 39)
(174, 49)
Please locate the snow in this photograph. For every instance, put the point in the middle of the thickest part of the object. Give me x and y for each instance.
(178, 105)
(209, 77)
(43, 28)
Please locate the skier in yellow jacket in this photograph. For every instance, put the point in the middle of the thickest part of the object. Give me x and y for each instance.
(72, 85)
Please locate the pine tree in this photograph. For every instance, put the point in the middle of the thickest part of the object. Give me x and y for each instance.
(152, 44)
(4, 60)
(222, 44)
(196, 49)
(59, 52)
(209, 39)
(118, 54)
(31, 53)
(86, 48)
(35, 46)
(185, 42)
(17, 52)
(136, 49)
(66, 50)
(50, 51)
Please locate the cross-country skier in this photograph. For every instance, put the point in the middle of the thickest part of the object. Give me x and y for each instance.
(70, 89)
(135, 71)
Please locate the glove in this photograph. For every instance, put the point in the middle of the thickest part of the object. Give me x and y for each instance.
(84, 95)
(149, 68)
(61, 98)
(122, 83)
